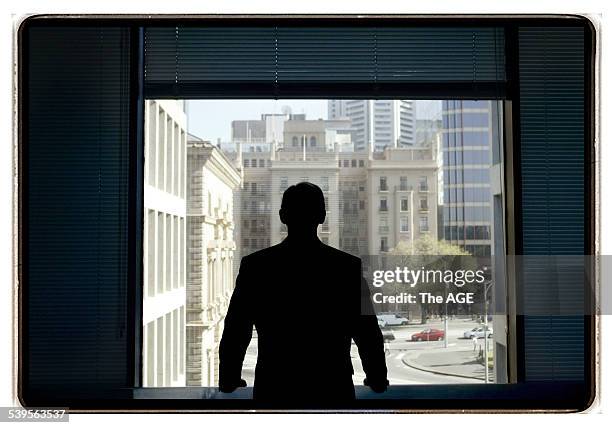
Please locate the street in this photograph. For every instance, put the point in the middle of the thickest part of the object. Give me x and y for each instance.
(413, 363)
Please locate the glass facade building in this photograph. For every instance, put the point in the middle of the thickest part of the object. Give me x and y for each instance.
(467, 133)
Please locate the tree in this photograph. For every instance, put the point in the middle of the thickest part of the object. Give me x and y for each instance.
(426, 245)
(428, 253)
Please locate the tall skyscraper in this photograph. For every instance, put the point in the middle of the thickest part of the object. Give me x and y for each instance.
(377, 124)
(467, 133)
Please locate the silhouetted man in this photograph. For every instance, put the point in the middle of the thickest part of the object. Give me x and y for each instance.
(307, 301)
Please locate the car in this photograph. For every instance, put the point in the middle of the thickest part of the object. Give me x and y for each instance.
(428, 334)
(381, 323)
(469, 333)
(392, 319)
(478, 332)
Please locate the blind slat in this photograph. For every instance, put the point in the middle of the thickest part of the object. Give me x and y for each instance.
(188, 60)
(77, 199)
(551, 67)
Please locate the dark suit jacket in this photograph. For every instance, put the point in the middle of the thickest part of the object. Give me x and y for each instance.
(307, 303)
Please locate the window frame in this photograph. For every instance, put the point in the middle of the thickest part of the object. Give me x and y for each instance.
(553, 395)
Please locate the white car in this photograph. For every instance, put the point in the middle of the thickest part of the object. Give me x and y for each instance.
(392, 319)
(478, 332)
(381, 323)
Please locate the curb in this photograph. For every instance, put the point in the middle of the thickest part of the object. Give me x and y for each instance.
(423, 369)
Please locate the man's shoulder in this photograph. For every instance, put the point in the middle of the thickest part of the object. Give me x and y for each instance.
(341, 256)
(261, 255)
(271, 253)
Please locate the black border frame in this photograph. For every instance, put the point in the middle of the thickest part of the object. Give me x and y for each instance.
(557, 396)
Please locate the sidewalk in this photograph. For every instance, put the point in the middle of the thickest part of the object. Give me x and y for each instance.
(460, 363)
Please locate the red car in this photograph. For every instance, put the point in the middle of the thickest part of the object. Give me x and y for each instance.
(428, 334)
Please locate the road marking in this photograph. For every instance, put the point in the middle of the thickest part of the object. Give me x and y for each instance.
(400, 356)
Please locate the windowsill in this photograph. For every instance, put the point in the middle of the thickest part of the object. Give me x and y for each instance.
(212, 393)
(204, 393)
(465, 396)
(563, 395)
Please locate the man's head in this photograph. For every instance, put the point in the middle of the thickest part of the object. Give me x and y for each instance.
(303, 206)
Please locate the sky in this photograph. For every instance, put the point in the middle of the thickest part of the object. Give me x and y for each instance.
(211, 119)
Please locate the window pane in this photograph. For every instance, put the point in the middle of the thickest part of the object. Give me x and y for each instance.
(214, 186)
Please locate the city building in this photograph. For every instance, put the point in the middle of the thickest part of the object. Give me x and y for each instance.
(467, 133)
(309, 153)
(256, 135)
(211, 183)
(402, 191)
(252, 201)
(354, 184)
(427, 131)
(164, 295)
(377, 124)
(353, 202)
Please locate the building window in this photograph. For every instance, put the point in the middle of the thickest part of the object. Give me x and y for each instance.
(353, 163)
(403, 183)
(423, 184)
(245, 163)
(404, 224)
(383, 184)
(262, 163)
(383, 204)
(384, 246)
(423, 205)
(361, 163)
(424, 224)
(361, 204)
(313, 141)
(346, 163)
(404, 204)
(294, 141)
(284, 183)
(253, 163)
